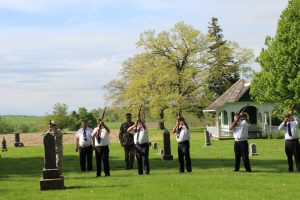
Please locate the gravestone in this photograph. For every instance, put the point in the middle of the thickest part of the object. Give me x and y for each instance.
(52, 179)
(167, 146)
(161, 151)
(207, 138)
(4, 147)
(17, 140)
(253, 151)
(154, 145)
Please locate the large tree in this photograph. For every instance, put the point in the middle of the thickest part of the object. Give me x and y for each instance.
(279, 79)
(225, 60)
(182, 54)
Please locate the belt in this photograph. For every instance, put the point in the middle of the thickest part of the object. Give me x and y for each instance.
(185, 141)
(295, 139)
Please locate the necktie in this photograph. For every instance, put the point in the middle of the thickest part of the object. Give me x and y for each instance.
(178, 132)
(289, 130)
(99, 135)
(84, 135)
(137, 137)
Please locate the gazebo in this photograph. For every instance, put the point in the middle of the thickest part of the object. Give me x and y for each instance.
(233, 101)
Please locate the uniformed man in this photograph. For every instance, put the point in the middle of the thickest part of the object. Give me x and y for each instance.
(126, 140)
(85, 147)
(141, 141)
(182, 132)
(100, 137)
(240, 134)
(58, 136)
(292, 147)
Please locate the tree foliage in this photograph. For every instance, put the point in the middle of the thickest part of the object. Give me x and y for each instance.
(279, 79)
(171, 72)
(225, 60)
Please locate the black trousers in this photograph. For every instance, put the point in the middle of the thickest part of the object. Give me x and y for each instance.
(86, 158)
(241, 151)
(142, 156)
(129, 155)
(292, 148)
(184, 153)
(102, 155)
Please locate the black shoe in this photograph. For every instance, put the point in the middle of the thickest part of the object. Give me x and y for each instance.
(107, 174)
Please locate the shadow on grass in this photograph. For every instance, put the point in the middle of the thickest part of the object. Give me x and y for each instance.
(94, 186)
(32, 166)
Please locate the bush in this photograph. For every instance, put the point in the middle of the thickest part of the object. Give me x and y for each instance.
(276, 135)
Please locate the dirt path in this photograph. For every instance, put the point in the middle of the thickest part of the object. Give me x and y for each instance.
(34, 139)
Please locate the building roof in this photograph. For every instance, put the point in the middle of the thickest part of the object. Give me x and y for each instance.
(233, 94)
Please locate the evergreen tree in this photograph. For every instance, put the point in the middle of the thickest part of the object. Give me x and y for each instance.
(224, 60)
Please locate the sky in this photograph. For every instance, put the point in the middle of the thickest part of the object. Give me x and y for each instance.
(64, 51)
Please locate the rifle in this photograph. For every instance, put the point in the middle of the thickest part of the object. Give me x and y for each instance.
(103, 114)
(139, 116)
(179, 117)
(290, 112)
(236, 121)
(99, 129)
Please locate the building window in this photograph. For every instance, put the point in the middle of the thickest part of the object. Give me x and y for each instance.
(225, 118)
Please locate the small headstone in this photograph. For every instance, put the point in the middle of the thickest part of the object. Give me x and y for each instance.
(253, 151)
(52, 179)
(154, 145)
(207, 138)
(161, 151)
(167, 146)
(4, 147)
(17, 140)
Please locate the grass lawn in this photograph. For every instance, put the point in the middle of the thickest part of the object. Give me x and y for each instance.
(212, 176)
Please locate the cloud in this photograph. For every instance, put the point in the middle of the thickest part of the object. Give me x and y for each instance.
(65, 51)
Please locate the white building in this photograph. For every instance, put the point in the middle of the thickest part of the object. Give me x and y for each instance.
(233, 101)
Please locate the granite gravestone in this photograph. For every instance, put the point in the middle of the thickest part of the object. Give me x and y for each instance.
(17, 140)
(207, 138)
(154, 145)
(253, 151)
(52, 179)
(167, 146)
(4, 147)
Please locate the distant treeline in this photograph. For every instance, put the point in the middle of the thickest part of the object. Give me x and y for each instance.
(71, 121)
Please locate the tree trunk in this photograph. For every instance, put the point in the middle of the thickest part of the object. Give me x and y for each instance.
(161, 122)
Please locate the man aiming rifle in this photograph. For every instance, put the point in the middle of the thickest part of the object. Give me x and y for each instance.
(182, 132)
(141, 141)
(101, 144)
(240, 134)
(292, 147)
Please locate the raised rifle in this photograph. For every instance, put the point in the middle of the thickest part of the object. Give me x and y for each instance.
(292, 108)
(136, 128)
(236, 121)
(179, 117)
(139, 116)
(99, 129)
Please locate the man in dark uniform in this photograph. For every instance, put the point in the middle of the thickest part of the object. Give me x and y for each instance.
(126, 140)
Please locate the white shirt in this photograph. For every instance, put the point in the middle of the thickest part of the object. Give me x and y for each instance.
(294, 129)
(184, 134)
(240, 132)
(104, 135)
(82, 142)
(143, 136)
